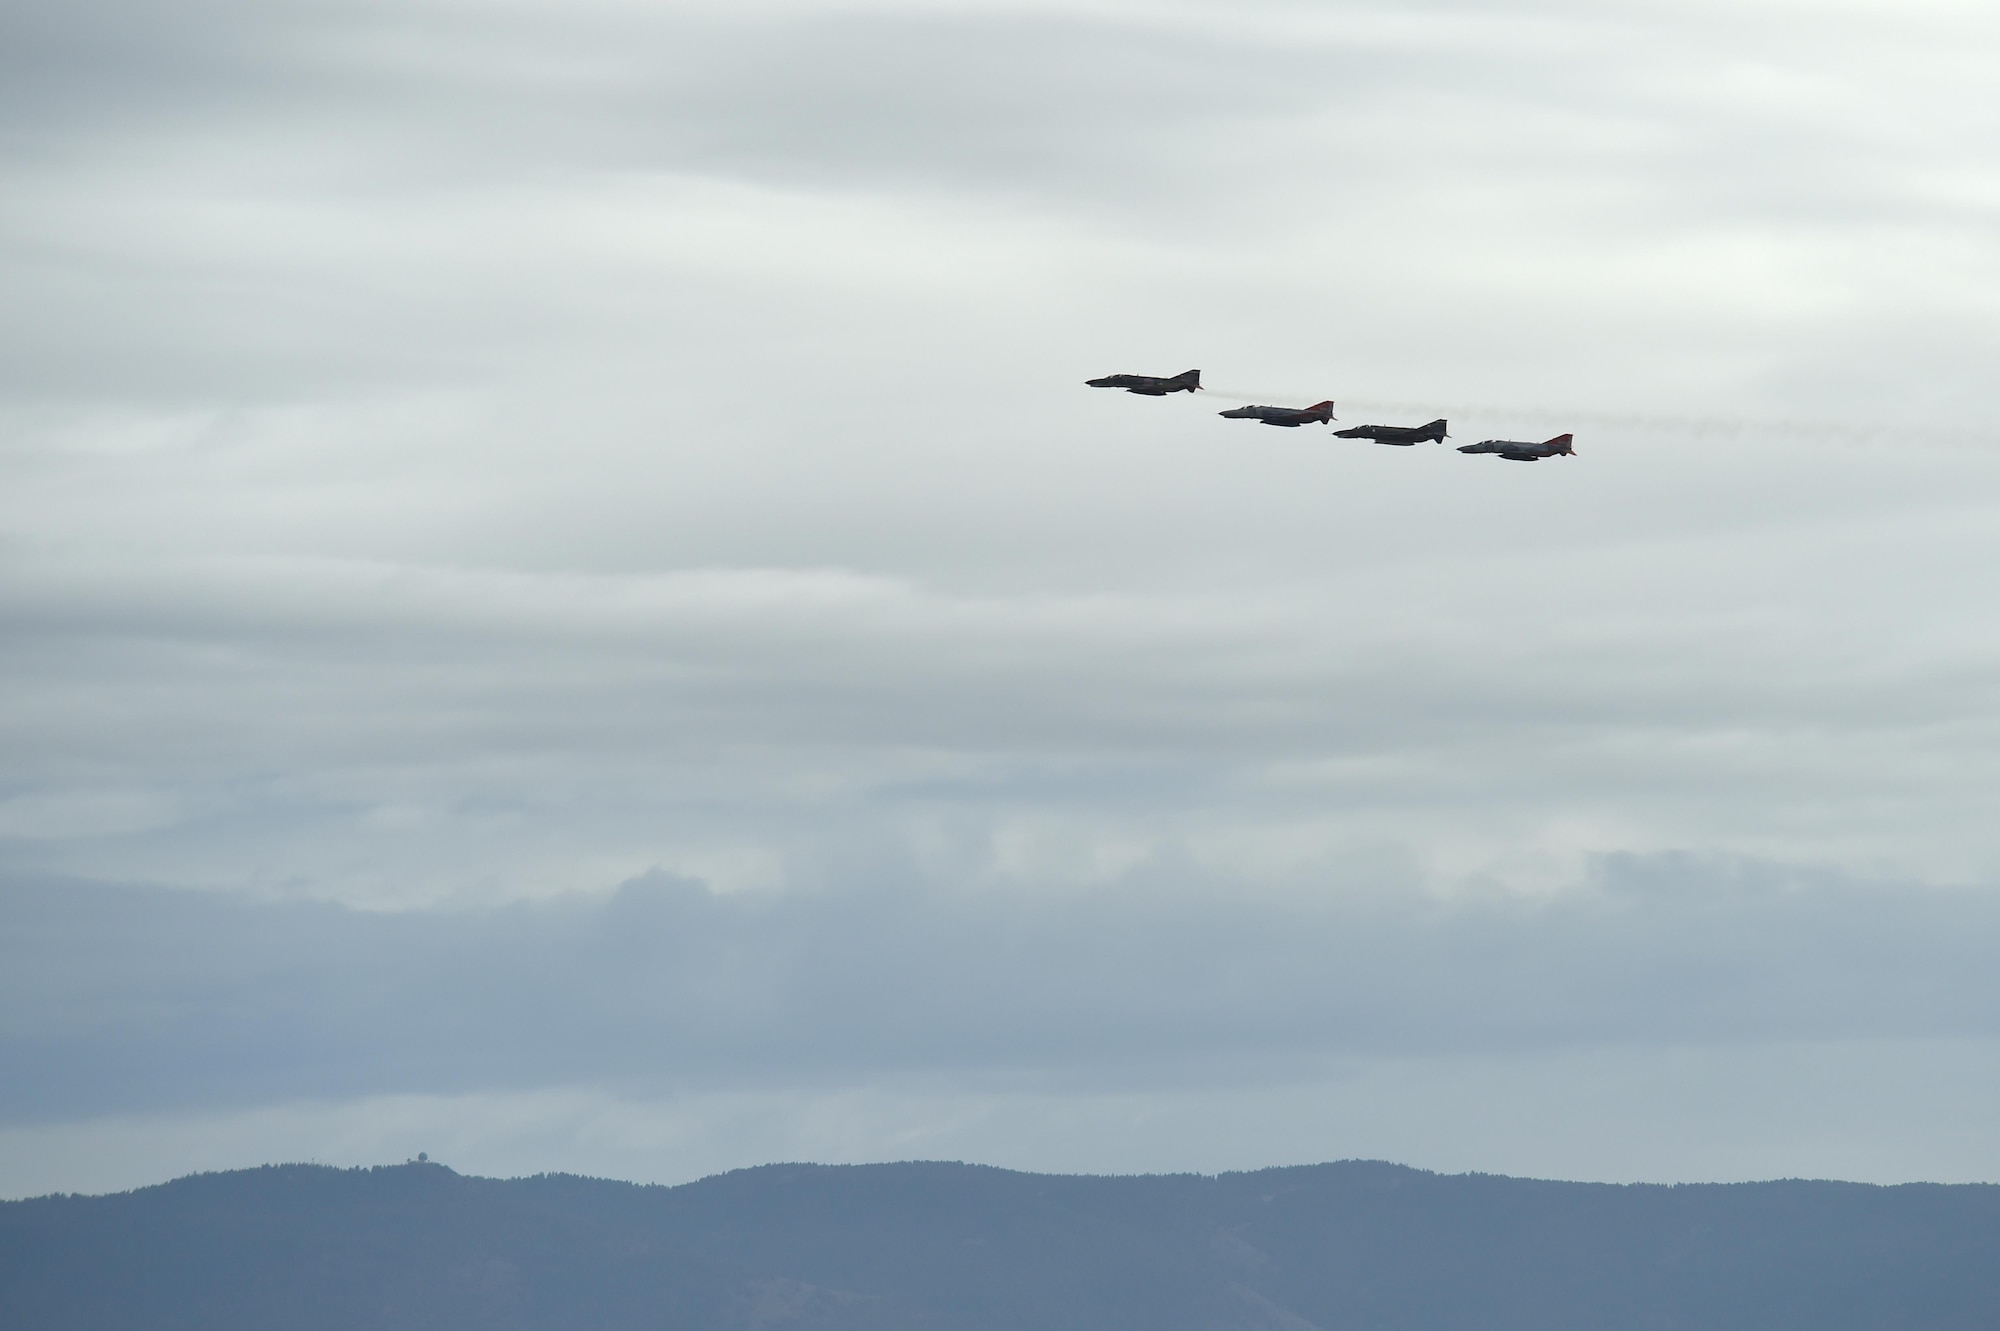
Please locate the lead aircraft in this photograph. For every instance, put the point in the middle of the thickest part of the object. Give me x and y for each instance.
(1187, 381)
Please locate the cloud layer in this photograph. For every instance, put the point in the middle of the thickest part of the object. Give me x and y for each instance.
(128, 1000)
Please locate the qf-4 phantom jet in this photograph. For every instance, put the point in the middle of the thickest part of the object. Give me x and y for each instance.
(1146, 385)
(1516, 451)
(1402, 436)
(1286, 416)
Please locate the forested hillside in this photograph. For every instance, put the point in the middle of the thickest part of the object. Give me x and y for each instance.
(963, 1248)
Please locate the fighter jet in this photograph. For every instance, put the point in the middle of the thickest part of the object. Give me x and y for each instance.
(1402, 436)
(1148, 386)
(1516, 451)
(1286, 416)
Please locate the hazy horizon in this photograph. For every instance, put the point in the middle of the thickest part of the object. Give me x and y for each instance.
(1225, 1174)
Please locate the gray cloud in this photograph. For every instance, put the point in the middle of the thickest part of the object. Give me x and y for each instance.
(130, 999)
(414, 733)
(289, 200)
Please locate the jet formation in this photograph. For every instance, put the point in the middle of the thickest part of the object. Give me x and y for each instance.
(1396, 436)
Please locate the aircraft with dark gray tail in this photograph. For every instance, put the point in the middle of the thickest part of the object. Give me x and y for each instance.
(1146, 385)
(1402, 436)
(1514, 450)
(1321, 412)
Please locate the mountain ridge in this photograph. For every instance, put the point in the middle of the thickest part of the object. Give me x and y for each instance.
(945, 1246)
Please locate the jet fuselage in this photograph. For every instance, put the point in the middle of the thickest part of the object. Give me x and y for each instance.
(1516, 450)
(1147, 385)
(1289, 417)
(1402, 436)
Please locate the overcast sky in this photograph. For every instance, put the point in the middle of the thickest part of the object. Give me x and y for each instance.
(565, 604)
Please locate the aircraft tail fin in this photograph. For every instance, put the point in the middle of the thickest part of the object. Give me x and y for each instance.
(1564, 440)
(1192, 378)
(1326, 408)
